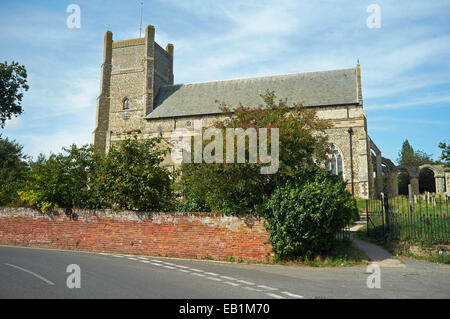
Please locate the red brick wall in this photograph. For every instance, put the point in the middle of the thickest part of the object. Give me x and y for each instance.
(191, 235)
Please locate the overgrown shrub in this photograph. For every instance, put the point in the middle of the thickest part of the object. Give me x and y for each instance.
(13, 168)
(304, 215)
(128, 177)
(229, 189)
(240, 188)
(61, 180)
(131, 177)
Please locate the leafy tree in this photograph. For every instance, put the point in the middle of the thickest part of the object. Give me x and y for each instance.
(61, 180)
(13, 167)
(305, 214)
(445, 153)
(238, 188)
(130, 176)
(13, 79)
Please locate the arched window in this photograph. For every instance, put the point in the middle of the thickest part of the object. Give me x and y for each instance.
(126, 104)
(335, 163)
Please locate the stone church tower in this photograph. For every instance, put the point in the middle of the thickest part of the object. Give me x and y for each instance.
(138, 96)
(131, 75)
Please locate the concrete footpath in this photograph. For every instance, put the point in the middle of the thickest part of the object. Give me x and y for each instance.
(377, 255)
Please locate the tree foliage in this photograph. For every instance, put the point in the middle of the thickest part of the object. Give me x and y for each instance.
(305, 214)
(238, 188)
(13, 167)
(13, 82)
(61, 180)
(445, 153)
(128, 177)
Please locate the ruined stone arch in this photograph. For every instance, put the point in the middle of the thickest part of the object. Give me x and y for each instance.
(391, 173)
(439, 176)
(437, 169)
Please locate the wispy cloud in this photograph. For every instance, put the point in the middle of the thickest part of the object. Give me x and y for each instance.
(416, 103)
(405, 63)
(409, 120)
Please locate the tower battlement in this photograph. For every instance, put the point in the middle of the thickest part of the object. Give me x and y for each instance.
(132, 72)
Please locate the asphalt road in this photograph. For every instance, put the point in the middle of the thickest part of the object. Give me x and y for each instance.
(42, 273)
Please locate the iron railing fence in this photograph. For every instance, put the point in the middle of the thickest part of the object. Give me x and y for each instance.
(423, 218)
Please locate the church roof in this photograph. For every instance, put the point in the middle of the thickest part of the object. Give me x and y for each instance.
(334, 87)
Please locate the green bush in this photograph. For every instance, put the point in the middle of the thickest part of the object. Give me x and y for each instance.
(305, 214)
(228, 189)
(240, 188)
(61, 180)
(128, 177)
(13, 168)
(131, 177)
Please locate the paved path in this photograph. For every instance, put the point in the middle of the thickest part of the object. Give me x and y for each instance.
(376, 254)
(41, 273)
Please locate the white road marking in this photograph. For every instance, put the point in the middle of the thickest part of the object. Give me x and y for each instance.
(211, 273)
(184, 267)
(274, 296)
(266, 287)
(231, 283)
(32, 273)
(246, 282)
(169, 267)
(193, 269)
(104, 254)
(197, 274)
(291, 294)
(229, 278)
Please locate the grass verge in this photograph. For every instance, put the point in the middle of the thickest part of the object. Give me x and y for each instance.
(343, 253)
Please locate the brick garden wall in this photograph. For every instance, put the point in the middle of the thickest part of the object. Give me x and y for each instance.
(190, 235)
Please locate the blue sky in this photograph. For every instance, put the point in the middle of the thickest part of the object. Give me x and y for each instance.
(405, 63)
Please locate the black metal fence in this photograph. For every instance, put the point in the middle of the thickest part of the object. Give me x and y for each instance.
(344, 234)
(423, 218)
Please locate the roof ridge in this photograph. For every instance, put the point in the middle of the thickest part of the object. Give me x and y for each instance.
(258, 77)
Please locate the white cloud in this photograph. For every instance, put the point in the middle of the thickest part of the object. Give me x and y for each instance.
(232, 39)
(414, 103)
(408, 120)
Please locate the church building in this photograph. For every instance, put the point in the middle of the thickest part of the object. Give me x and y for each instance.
(138, 96)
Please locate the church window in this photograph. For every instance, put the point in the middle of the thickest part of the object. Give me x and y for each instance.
(126, 104)
(334, 163)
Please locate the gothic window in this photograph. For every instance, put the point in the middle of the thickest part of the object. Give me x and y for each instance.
(334, 163)
(126, 104)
